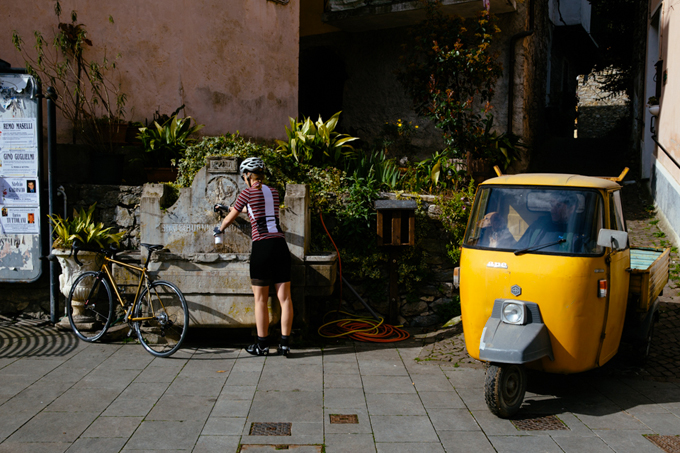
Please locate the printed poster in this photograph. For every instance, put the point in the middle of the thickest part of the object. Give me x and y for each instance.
(20, 220)
(19, 191)
(18, 147)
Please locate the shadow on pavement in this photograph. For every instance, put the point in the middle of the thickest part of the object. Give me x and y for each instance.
(32, 339)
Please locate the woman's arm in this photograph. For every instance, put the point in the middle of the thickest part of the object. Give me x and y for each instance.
(229, 219)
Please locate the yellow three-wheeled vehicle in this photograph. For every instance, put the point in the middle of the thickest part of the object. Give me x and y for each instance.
(546, 280)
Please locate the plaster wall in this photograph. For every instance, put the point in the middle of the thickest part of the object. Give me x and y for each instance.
(233, 64)
(665, 179)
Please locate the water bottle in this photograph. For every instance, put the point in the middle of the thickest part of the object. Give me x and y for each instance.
(219, 235)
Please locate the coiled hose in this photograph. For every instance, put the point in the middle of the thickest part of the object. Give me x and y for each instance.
(356, 327)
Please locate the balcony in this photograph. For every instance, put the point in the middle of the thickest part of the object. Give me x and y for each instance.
(361, 15)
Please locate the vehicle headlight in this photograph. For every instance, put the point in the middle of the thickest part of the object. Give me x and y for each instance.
(513, 312)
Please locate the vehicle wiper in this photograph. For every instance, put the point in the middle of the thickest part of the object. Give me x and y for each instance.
(538, 247)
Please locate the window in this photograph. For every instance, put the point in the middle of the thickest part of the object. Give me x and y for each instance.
(546, 220)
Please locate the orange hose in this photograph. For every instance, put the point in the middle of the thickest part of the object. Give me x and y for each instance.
(359, 329)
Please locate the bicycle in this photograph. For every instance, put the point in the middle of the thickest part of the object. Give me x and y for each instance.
(158, 315)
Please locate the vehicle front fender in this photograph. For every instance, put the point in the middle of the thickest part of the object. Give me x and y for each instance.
(510, 343)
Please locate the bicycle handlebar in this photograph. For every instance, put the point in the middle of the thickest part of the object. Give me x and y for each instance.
(221, 208)
(76, 247)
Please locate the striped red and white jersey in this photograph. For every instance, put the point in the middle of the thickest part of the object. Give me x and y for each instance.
(263, 210)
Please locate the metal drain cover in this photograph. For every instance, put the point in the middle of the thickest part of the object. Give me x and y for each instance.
(669, 444)
(339, 418)
(538, 423)
(270, 429)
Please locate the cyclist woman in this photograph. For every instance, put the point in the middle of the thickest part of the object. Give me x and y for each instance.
(269, 259)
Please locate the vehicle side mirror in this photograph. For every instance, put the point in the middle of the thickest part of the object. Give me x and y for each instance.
(617, 240)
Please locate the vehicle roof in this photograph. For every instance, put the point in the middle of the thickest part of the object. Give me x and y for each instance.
(553, 179)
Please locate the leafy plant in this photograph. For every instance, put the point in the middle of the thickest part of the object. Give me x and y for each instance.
(450, 72)
(82, 229)
(316, 143)
(166, 142)
(86, 95)
(455, 211)
(653, 100)
(376, 166)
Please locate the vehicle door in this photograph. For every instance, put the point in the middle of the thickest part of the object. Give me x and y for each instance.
(617, 282)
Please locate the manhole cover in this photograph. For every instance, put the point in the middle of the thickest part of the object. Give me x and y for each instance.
(669, 444)
(339, 418)
(538, 423)
(270, 429)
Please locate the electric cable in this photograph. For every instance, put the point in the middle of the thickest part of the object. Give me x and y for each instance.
(357, 327)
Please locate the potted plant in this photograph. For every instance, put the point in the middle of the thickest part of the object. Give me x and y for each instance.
(164, 144)
(653, 105)
(83, 230)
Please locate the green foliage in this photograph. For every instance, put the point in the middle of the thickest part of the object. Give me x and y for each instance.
(86, 95)
(450, 72)
(316, 143)
(166, 142)
(450, 309)
(455, 212)
(395, 138)
(376, 166)
(82, 229)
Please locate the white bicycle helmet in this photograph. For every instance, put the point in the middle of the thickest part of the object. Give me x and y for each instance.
(252, 165)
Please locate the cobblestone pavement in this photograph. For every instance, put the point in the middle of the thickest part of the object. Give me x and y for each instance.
(447, 346)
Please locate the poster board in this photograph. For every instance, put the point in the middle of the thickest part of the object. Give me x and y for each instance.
(20, 222)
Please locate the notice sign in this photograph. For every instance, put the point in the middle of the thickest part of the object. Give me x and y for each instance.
(19, 162)
(18, 147)
(19, 191)
(19, 220)
(17, 133)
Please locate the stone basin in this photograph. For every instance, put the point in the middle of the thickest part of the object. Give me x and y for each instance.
(214, 278)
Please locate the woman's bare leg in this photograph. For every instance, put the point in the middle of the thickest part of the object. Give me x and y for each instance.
(261, 313)
(283, 293)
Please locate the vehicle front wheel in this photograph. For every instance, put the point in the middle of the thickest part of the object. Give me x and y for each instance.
(504, 389)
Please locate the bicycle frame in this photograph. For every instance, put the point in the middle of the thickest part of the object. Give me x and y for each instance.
(143, 278)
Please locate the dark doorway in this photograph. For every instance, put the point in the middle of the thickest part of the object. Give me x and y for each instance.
(322, 79)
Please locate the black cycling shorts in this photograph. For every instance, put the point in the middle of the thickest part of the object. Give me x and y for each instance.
(269, 262)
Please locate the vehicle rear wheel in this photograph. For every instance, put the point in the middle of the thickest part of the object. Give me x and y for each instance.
(504, 389)
(90, 306)
(167, 318)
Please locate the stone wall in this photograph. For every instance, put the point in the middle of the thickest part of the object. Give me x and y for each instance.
(599, 115)
(118, 207)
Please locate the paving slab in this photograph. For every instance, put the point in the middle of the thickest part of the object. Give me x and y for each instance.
(211, 444)
(394, 404)
(409, 428)
(465, 441)
(349, 443)
(113, 427)
(166, 435)
(421, 447)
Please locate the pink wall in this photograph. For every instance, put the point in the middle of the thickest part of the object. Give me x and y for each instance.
(669, 118)
(233, 63)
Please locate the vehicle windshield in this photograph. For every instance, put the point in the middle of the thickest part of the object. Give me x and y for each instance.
(536, 220)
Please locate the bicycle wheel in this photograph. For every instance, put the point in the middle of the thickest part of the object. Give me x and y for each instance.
(90, 306)
(164, 332)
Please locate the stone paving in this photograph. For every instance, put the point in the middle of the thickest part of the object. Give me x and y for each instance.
(60, 394)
